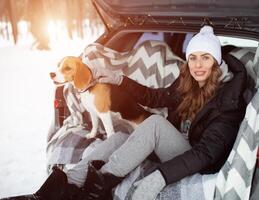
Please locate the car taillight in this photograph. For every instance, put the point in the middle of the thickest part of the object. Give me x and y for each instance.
(56, 103)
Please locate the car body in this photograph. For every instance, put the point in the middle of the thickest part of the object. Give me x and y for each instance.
(128, 23)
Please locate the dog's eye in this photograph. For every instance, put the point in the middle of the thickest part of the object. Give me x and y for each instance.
(67, 68)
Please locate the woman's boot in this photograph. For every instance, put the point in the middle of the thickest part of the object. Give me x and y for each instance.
(54, 188)
(99, 186)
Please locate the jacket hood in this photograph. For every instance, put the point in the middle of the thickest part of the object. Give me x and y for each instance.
(226, 74)
(231, 91)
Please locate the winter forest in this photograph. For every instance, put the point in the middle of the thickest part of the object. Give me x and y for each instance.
(47, 19)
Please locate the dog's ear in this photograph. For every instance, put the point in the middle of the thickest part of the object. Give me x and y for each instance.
(83, 76)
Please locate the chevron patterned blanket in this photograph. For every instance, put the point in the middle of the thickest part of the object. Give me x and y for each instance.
(153, 64)
(235, 178)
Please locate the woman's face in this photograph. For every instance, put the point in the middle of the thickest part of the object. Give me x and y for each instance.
(200, 65)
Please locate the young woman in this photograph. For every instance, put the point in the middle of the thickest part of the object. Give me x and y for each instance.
(205, 108)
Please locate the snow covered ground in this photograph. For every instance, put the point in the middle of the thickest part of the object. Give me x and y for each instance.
(26, 106)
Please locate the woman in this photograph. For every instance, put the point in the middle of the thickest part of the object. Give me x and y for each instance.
(205, 107)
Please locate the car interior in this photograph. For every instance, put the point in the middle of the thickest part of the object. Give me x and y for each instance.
(176, 41)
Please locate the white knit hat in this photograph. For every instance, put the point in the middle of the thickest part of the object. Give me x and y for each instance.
(205, 41)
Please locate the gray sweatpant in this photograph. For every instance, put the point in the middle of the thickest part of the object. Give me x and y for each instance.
(122, 152)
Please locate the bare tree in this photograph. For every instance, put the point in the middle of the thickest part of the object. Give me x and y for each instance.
(8, 11)
(38, 18)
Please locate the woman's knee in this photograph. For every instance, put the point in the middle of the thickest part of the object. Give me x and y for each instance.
(151, 126)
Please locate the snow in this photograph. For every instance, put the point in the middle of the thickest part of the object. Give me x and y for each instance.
(26, 107)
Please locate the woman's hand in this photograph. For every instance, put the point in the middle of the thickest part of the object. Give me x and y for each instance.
(148, 187)
(104, 75)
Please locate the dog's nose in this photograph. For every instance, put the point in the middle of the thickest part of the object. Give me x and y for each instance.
(52, 74)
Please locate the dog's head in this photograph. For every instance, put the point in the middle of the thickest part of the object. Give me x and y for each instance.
(72, 69)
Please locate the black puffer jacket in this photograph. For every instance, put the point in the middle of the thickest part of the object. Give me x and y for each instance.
(214, 129)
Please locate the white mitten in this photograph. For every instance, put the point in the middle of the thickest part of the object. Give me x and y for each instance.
(104, 75)
(148, 187)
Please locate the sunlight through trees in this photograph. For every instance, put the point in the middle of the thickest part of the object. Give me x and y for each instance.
(47, 20)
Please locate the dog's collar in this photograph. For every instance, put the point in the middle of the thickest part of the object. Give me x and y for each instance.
(91, 84)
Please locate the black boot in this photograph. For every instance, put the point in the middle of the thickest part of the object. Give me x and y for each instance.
(54, 188)
(99, 186)
(23, 197)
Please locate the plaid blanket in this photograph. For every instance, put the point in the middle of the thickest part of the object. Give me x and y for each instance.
(153, 64)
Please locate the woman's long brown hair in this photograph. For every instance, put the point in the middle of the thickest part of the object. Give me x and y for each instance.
(194, 97)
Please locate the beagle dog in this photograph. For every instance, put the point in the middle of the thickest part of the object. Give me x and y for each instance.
(99, 99)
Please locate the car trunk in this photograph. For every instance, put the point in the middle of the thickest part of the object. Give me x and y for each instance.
(185, 15)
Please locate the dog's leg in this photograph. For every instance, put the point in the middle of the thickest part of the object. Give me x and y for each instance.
(95, 123)
(107, 123)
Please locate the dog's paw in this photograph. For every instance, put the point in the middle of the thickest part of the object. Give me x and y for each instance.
(109, 134)
(91, 135)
